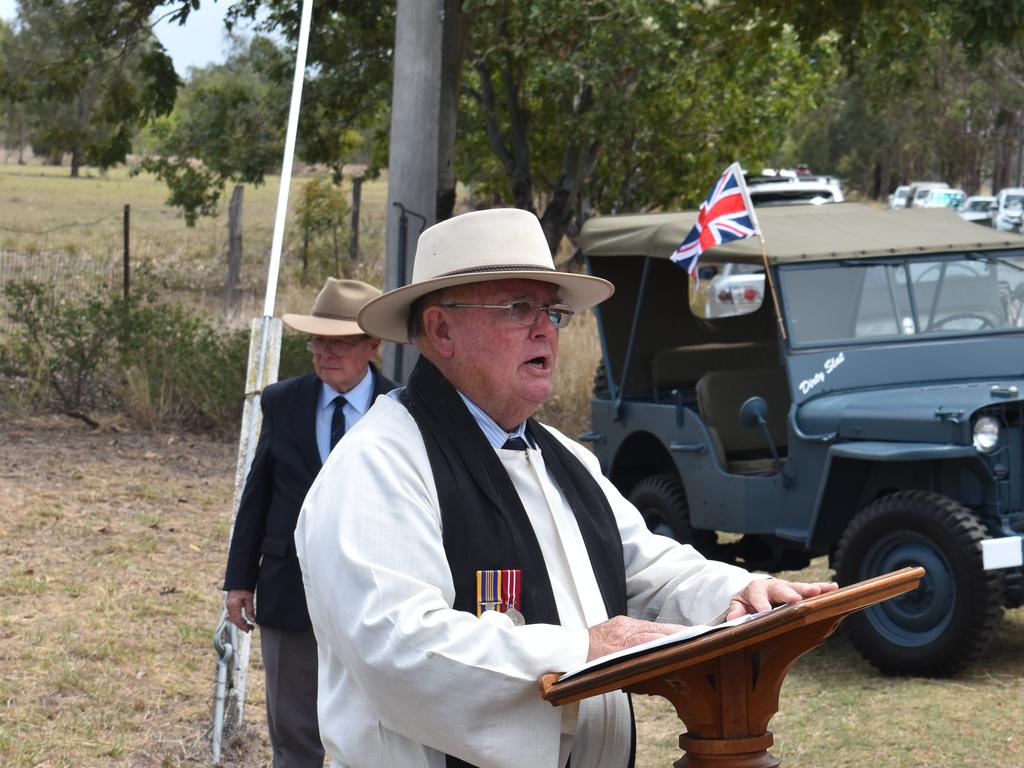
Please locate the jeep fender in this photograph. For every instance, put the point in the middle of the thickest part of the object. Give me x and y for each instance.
(848, 467)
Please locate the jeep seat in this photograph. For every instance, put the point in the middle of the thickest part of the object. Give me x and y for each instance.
(681, 366)
(720, 394)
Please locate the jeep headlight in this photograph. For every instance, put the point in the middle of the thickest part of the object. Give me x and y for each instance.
(986, 434)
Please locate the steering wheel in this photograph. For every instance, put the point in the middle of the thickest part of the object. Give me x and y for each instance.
(985, 321)
(970, 269)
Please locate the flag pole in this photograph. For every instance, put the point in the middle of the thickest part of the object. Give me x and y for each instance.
(764, 251)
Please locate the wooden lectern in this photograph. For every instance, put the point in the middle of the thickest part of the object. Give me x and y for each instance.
(725, 685)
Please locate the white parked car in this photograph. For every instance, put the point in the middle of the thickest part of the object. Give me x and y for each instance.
(978, 208)
(943, 197)
(919, 192)
(1009, 209)
(898, 199)
(785, 187)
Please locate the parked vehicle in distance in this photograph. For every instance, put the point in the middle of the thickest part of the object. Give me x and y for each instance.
(978, 208)
(873, 412)
(943, 197)
(787, 187)
(919, 191)
(898, 199)
(1009, 209)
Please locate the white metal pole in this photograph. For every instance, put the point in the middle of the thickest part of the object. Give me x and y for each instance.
(286, 166)
(262, 370)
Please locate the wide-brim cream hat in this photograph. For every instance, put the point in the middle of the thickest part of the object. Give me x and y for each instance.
(335, 309)
(495, 244)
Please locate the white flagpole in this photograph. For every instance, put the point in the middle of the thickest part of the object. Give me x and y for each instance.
(233, 646)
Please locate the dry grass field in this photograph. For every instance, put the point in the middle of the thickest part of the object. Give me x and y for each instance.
(112, 546)
(113, 542)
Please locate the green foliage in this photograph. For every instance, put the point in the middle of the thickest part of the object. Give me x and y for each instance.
(86, 77)
(68, 341)
(157, 362)
(228, 125)
(322, 214)
(618, 106)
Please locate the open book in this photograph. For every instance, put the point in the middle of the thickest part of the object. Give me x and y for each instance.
(679, 637)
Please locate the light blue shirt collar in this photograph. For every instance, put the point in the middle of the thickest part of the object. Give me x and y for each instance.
(495, 435)
(358, 397)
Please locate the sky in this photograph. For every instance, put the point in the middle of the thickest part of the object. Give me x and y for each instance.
(201, 41)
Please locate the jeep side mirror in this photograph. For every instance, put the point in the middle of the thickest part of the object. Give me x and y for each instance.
(753, 412)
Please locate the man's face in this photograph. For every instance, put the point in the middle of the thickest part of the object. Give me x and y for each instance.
(505, 368)
(341, 361)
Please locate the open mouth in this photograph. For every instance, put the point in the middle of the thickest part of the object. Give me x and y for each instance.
(540, 363)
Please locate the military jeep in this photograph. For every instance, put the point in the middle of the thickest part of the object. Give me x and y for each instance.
(868, 407)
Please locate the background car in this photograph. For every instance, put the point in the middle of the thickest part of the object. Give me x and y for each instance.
(978, 208)
(943, 197)
(919, 192)
(789, 187)
(1009, 209)
(898, 199)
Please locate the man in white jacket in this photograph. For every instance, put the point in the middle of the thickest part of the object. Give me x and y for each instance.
(453, 550)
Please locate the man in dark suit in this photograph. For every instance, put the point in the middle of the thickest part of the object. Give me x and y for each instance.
(303, 418)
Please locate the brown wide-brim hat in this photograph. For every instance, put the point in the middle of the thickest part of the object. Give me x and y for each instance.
(477, 247)
(335, 309)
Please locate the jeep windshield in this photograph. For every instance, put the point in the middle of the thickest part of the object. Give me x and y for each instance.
(852, 301)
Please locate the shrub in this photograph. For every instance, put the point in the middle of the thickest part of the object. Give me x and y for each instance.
(158, 362)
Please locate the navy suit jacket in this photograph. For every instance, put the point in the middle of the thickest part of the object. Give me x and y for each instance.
(261, 557)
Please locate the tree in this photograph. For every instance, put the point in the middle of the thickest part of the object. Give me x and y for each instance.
(228, 125)
(85, 88)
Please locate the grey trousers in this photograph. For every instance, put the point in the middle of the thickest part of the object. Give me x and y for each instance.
(289, 661)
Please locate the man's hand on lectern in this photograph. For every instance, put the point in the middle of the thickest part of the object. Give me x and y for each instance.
(622, 632)
(763, 594)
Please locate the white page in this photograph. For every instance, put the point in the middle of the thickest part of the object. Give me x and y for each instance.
(679, 637)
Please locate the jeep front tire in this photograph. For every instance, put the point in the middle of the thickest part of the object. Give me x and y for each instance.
(941, 626)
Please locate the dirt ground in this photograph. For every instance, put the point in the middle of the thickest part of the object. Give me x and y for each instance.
(112, 549)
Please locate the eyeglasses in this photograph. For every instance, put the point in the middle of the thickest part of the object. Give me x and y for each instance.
(319, 345)
(527, 313)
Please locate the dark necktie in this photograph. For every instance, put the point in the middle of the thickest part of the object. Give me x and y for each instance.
(338, 420)
(515, 444)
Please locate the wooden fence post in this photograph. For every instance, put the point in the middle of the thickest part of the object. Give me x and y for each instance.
(127, 253)
(232, 289)
(353, 241)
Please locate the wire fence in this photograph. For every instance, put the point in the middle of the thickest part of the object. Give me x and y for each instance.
(189, 264)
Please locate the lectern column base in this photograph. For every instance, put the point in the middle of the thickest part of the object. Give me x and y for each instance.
(749, 752)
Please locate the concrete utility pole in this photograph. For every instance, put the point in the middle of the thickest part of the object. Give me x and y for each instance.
(412, 164)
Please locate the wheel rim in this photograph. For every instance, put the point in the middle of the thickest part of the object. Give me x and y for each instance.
(921, 616)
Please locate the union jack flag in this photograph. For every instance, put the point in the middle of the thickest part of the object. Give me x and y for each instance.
(725, 215)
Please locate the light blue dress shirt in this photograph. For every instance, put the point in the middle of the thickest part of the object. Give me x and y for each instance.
(357, 403)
